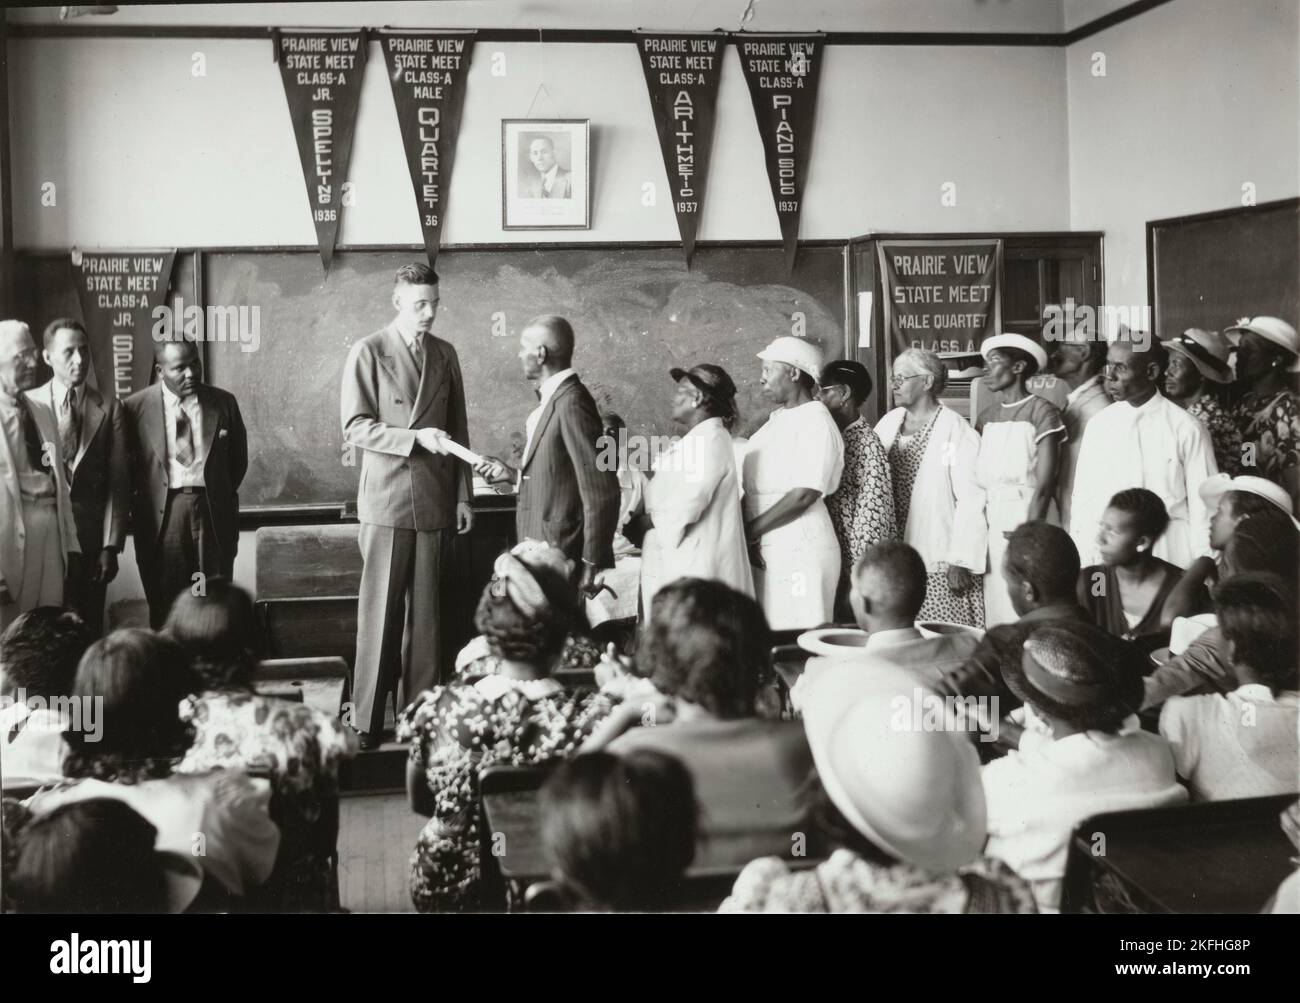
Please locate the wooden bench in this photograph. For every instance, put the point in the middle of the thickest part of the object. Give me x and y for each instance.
(316, 682)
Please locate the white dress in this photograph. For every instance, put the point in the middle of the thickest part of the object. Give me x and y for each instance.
(798, 447)
(1009, 438)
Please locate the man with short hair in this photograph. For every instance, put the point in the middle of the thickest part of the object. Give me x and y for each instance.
(39, 653)
(402, 394)
(92, 433)
(38, 535)
(862, 508)
(1077, 360)
(1143, 440)
(188, 454)
(889, 582)
(551, 181)
(565, 498)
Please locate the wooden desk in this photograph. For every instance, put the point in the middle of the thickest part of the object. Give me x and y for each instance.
(1217, 857)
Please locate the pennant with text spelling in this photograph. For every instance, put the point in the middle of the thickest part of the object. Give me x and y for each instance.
(782, 73)
(120, 292)
(427, 70)
(322, 71)
(681, 73)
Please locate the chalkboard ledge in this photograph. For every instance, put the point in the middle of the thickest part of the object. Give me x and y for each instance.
(256, 516)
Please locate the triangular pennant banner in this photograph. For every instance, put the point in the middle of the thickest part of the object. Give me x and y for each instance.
(427, 71)
(322, 71)
(782, 73)
(681, 73)
(119, 292)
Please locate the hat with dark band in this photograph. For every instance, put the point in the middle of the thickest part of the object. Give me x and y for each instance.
(1271, 329)
(1206, 350)
(709, 380)
(847, 373)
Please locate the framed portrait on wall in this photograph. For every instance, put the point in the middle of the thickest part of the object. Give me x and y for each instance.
(545, 174)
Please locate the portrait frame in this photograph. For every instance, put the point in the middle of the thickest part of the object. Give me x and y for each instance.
(546, 174)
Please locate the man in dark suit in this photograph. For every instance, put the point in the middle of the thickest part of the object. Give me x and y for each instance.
(188, 454)
(92, 432)
(402, 393)
(565, 498)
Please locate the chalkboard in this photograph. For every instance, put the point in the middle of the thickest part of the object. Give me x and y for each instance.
(1209, 270)
(636, 312)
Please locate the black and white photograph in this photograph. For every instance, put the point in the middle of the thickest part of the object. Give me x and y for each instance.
(517, 461)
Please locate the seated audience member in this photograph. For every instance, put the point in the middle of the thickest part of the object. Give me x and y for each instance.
(39, 653)
(905, 810)
(132, 682)
(1287, 898)
(1265, 543)
(1041, 569)
(887, 593)
(706, 649)
(1067, 676)
(94, 857)
(1127, 593)
(620, 831)
(518, 716)
(235, 728)
(1244, 744)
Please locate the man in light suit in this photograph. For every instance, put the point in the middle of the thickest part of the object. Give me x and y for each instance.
(565, 497)
(888, 590)
(551, 181)
(188, 453)
(92, 435)
(38, 536)
(402, 393)
(1077, 360)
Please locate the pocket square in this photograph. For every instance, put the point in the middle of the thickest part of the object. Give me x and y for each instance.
(223, 433)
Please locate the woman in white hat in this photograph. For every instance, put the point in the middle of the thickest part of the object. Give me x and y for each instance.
(903, 809)
(1195, 378)
(1020, 436)
(1268, 416)
(793, 462)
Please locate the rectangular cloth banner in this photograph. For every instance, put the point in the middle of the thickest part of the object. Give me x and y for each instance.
(321, 71)
(119, 292)
(940, 294)
(681, 74)
(782, 73)
(427, 70)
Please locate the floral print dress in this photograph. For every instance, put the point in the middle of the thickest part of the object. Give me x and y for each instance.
(1225, 436)
(1272, 427)
(862, 510)
(455, 731)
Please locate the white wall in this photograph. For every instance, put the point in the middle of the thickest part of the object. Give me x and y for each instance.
(1199, 98)
(145, 154)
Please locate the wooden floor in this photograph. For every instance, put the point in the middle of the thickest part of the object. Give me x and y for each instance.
(376, 836)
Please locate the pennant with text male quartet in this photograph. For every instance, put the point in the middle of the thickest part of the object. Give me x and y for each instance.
(681, 73)
(427, 70)
(321, 71)
(119, 292)
(782, 73)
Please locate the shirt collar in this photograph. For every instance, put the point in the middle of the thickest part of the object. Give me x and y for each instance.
(1056, 611)
(1260, 693)
(1078, 391)
(1156, 402)
(548, 178)
(885, 638)
(551, 384)
(859, 420)
(172, 400)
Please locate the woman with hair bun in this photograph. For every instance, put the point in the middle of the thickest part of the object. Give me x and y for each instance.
(519, 716)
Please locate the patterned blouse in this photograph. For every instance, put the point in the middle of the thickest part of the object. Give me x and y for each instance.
(457, 730)
(848, 882)
(862, 509)
(1225, 436)
(300, 750)
(1272, 427)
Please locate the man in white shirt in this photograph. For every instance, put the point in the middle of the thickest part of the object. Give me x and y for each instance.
(888, 591)
(1078, 361)
(1143, 440)
(188, 454)
(38, 536)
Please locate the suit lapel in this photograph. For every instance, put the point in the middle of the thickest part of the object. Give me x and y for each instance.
(92, 417)
(431, 379)
(545, 417)
(11, 464)
(211, 419)
(153, 426)
(397, 362)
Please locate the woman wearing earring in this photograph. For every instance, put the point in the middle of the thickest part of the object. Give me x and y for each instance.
(1020, 436)
(1126, 594)
(1268, 416)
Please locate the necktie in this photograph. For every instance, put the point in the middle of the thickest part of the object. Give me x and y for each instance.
(417, 353)
(70, 427)
(184, 437)
(32, 437)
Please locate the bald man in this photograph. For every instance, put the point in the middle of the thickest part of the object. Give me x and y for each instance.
(188, 453)
(564, 496)
(38, 536)
(888, 590)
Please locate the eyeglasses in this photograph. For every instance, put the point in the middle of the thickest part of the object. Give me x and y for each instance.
(898, 381)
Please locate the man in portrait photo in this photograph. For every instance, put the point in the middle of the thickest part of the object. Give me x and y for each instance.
(551, 181)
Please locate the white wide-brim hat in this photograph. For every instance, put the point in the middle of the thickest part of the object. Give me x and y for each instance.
(1273, 329)
(1214, 486)
(795, 352)
(1026, 345)
(904, 776)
